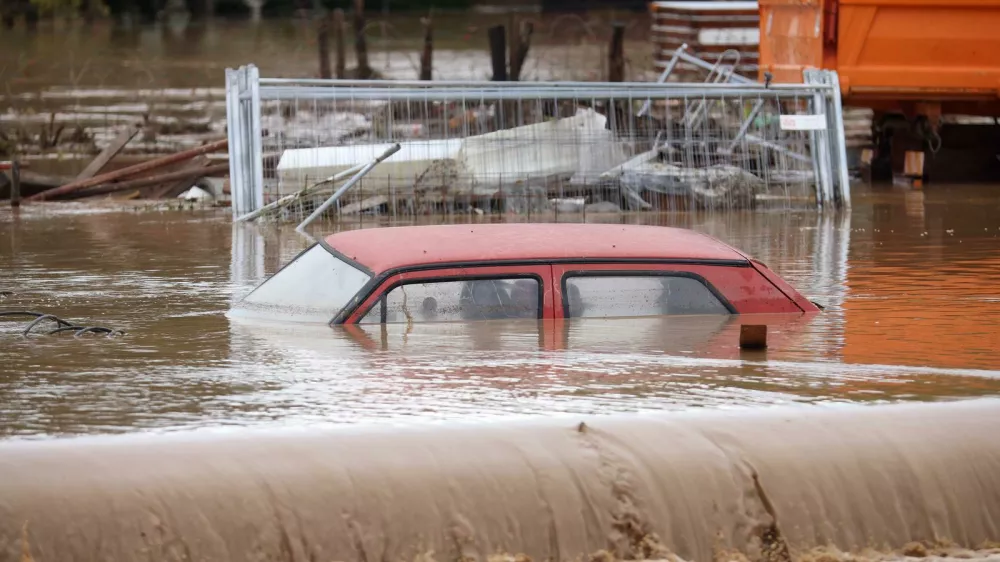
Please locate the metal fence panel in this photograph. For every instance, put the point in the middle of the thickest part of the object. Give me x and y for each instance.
(533, 149)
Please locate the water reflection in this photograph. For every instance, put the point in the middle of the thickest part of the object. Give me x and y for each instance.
(911, 315)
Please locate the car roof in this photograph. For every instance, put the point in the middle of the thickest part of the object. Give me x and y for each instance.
(381, 249)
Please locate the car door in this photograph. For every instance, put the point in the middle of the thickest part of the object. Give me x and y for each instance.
(449, 294)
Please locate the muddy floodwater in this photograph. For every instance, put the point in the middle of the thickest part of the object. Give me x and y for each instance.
(910, 281)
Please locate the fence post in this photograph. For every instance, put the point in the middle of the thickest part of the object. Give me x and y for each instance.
(339, 27)
(233, 121)
(323, 44)
(840, 138)
(427, 56)
(360, 44)
(498, 52)
(15, 183)
(616, 54)
(520, 44)
(256, 150)
(822, 140)
(823, 152)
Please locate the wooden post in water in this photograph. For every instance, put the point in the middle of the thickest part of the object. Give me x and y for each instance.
(323, 44)
(360, 46)
(339, 31)
(520, 43)
(753, 336)
(31, 17)
(498, 52)
(15, 184)
(616, 54)
(427, 56)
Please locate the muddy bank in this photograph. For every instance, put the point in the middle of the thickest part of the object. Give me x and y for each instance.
(769, 485)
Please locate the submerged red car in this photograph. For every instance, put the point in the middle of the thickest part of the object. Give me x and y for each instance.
(498, 271)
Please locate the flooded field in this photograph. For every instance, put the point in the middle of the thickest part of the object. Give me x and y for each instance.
(284, 442)
(909, 278)
(68, 88)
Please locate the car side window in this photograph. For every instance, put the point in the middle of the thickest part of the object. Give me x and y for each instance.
(602, 296)
(450, 301)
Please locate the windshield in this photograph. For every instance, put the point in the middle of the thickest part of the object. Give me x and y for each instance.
(312, 288)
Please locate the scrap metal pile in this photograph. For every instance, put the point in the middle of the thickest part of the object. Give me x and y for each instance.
(533, 148)
(554, 161)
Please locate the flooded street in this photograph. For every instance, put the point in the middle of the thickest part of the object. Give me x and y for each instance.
(198, 435)
(909, 278)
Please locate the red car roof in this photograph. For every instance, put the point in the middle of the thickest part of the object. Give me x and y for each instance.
(380, 249)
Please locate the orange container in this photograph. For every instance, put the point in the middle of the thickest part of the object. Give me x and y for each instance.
(921, 56)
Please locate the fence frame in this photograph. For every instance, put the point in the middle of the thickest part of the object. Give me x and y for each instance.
(245, 90)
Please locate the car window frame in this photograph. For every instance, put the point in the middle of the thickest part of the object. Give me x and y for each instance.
(568, 274)
(382, 288)
(347, 260)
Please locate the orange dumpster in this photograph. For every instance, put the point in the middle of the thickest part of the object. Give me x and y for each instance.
(917, 57)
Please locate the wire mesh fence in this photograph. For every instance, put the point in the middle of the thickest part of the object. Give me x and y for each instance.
(532, 148)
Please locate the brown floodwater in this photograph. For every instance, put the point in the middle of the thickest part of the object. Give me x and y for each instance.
(910, 279)
(68, 89)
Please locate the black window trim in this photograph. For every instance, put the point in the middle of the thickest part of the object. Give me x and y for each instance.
(450, 278)
(366, 291)
(344, 257)
(638, 273)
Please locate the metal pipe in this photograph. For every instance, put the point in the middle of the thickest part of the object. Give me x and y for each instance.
(738, 81)
(643, 91)
(841, 139)
(357, 177)
(236, 184)
(746, 124)
(690, 59)
(301, 193)
(663, 77)
(256, 199)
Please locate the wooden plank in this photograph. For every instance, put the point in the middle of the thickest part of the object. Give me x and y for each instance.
(15, 184)
(498, 52)
(109, 152)
(131, 171)
(171, 178)
(616, 54)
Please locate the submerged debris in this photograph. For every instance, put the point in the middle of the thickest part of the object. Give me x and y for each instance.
(62, 326)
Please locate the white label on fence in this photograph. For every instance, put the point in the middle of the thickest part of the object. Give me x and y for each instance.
(729, 37)
(803, 122)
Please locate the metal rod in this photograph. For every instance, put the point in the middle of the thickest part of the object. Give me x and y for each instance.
(445, 95)
(663, 77)
(746, 124)
(700, 63)
(357, 177)
(256, 199)
(461, 83)
(777, 147)
(301, 193)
